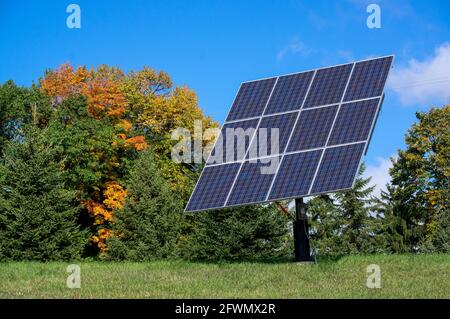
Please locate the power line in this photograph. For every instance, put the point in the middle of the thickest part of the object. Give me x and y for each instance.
(424, 82)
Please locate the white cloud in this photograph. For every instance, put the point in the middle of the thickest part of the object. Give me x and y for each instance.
(379, 173)
(294, 47)
(424, 82)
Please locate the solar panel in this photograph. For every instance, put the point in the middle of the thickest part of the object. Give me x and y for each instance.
(354, 122)
(338, 168)
(213, 187)
(328, 86)
(312, 128)
(323, 119)
(233, 142)
(289, 93)
(368, 79)
(251, 99)
(251, 184)
(295, 175)
(266, 141)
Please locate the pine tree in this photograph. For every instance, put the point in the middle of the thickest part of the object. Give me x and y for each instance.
(395, 226)
(242, 233)
(325, 226)
(149, 225)
(441, 241)
(38, 217)
(344, 222)
(354, 208)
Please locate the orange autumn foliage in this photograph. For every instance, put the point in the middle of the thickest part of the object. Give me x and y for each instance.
(124, 125)
(100, 239)
(99, 212)
(104, 98)
(142, 101)
(64, 82)
(100, 87)
(137, 142)
(114, 195)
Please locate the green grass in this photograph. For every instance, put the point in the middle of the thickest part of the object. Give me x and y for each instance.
(402, 276)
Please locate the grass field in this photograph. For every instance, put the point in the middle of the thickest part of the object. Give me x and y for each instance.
(402, 276)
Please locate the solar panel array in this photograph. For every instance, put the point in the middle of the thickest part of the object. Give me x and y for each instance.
(316, 124)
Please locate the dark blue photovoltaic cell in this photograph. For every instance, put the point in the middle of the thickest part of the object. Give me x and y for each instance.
(328, 86)
(231, 150)
(213, 186)
(266, 142)
(251, 99)
(353, 122)
(295, 175)
(368, 79)
(312, 128)
(254, 181)
(289, 93)
(338, 168)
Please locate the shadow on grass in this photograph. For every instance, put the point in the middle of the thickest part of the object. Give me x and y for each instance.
(280, 260)
(273, 261)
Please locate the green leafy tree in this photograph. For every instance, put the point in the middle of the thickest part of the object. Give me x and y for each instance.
(421, 178)
(15, 102)
(38, 216)
(86, 146)
(150, 224)
(20, 106)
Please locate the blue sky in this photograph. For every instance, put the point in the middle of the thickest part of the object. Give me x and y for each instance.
(212, 46)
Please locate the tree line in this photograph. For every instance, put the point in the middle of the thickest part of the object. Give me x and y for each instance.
(86, 171)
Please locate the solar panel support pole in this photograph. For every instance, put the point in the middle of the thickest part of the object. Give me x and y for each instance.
(301, 237)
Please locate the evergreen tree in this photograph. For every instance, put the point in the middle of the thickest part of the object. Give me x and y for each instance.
(325, 226)
(242, 233)
(354, 208)
(440, 242)
(38, 217)
(149, 225)
(344, 223)
(395, 228)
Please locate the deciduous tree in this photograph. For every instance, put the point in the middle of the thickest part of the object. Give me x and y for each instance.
(421, 177)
